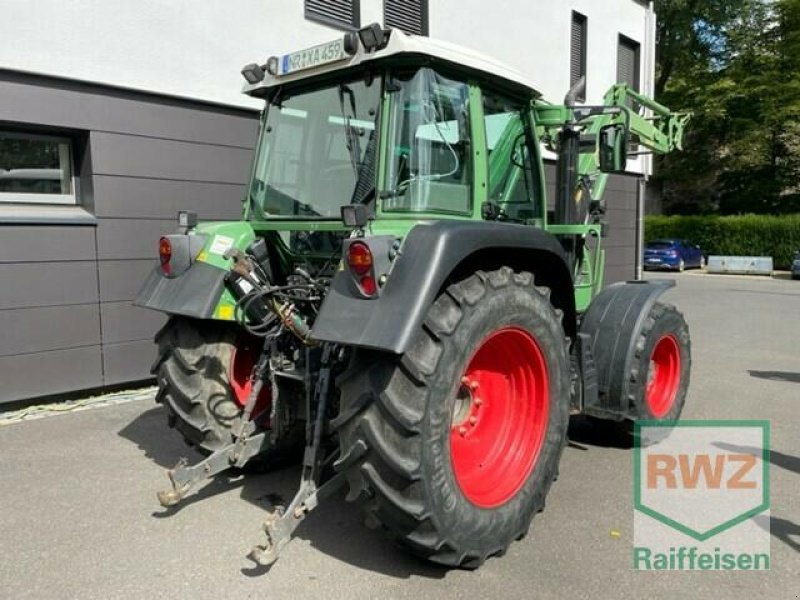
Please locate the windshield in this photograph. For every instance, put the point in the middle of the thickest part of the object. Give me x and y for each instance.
(317, 152)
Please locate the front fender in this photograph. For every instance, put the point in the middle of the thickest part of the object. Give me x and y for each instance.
(611, 327)
(429, 255)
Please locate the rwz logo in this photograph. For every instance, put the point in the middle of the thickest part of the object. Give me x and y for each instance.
(701, 477)
(689, 471)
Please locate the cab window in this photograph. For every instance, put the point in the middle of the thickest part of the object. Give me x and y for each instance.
(513, 178)
(430, 166)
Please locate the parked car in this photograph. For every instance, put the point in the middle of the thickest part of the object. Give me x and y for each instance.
(796, 266)
(675, 255)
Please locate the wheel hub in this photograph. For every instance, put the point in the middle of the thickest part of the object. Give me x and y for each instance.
(243, 359)
(499, 418)
(664, 376)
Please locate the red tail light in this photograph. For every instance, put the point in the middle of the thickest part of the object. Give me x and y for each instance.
(361, 263)
(368, 285)
(165, 254)
(359, 257)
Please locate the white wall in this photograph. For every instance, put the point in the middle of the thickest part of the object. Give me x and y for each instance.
(196, 48)
(192, 48)
(536, 39)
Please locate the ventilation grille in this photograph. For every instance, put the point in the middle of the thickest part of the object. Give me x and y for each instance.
(628, 63)
(577, 58)
(409, 16)
(339, 13)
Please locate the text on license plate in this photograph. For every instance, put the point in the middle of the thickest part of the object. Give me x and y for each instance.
(312, 57)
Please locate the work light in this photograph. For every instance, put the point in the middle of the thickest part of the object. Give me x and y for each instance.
(253, 73)
(372, 37)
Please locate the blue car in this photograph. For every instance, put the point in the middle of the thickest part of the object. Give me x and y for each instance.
(796, 266)
(675, 255)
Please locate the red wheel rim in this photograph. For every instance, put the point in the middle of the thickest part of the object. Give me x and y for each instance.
(664, 376)
(500, 417)
(243, 359)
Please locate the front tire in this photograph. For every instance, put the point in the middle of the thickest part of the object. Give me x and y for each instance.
(662, 365)
(454, 445)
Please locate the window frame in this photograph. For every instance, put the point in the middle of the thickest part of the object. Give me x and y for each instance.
(355, 20)
(581, 21)
(71, 199)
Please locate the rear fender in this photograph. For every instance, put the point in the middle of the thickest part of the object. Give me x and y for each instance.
(199, 290)
(431, 257)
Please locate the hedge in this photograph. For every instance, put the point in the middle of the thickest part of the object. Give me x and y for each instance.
(745, 235)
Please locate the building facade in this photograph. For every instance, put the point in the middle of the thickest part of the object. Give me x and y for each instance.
(114, 115)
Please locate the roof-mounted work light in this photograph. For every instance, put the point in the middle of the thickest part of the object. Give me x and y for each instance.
(253, 73)
(373, 37)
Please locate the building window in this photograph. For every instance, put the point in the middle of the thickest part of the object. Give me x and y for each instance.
(343, 14)
(409, 16)
(628, 62)
(577, 59)
(36, 169)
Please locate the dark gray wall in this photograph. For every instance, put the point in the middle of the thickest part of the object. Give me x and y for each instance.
(620, 244)
(66, 284)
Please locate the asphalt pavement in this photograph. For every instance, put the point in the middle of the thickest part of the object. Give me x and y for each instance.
(79, 517)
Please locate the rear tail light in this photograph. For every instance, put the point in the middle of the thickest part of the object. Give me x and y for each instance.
(361, 263)
(368, 285)
(359, 257)
(165, 254)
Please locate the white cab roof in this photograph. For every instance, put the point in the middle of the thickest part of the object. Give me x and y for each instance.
(399, 44)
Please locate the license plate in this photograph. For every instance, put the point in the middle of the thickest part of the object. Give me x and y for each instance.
(312, 57)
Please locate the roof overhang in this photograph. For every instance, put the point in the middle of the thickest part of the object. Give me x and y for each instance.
(411, 50)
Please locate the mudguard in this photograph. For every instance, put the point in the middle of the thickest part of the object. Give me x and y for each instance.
(608, 333)
(431, 254)
(194, 294)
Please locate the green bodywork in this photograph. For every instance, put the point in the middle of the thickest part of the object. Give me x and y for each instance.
(494, 177)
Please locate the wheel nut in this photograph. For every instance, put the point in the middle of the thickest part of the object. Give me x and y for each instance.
(473, 385)
(462, 431)
(466, 381)
(473, 420)
(477, 402)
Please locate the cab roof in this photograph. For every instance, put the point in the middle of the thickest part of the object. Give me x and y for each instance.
(414, 49)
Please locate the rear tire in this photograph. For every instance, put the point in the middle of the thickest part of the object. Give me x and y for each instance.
(194, 380)
(401, 418)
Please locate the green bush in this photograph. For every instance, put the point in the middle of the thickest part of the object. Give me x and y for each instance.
(746, 235)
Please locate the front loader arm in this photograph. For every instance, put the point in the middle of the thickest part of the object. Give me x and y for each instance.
(660, 133)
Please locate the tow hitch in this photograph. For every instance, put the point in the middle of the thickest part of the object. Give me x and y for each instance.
(281, 522)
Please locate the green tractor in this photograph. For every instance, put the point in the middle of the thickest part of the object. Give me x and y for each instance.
(399, 304)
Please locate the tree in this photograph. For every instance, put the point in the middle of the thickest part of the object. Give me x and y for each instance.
(735, 66)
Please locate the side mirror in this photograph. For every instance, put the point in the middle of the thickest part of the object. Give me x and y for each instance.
(612, 142)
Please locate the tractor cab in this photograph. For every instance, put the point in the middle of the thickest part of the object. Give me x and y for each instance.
(406, 127)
